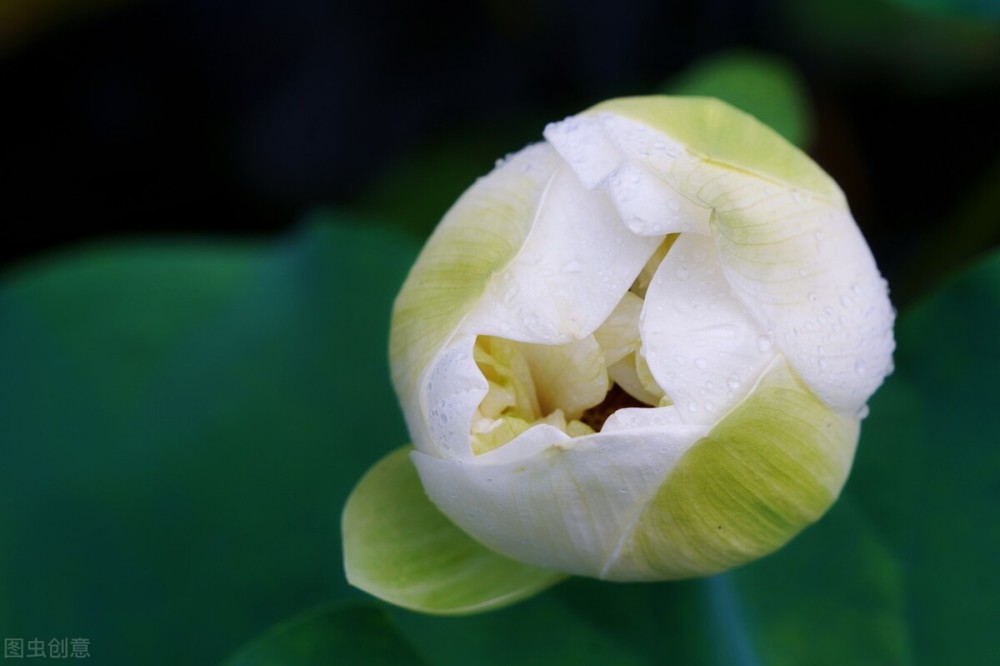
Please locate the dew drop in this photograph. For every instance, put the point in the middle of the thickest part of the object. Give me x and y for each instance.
(573, 266)
(734, 382)
(763, 343)
(682, 272)
(859, 367)
(700, 363)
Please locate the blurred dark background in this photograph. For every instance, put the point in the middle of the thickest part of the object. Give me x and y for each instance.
(193, 116)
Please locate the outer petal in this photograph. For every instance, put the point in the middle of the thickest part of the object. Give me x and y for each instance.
(603, 161)
(789, 247)
(770, 468)
(552, 502)
(400, 548)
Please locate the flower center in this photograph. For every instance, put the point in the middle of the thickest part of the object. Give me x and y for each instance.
(575, 386)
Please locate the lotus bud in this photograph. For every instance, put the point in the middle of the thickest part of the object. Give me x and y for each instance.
(642, 348)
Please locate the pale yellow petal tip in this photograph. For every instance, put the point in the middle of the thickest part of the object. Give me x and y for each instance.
(721, 133)
(400, 548)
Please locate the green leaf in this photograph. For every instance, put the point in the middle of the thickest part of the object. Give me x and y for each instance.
(399, 547)
(873, 40)
(180, 425)
(330, 635)
(764, 86)
(927, 473)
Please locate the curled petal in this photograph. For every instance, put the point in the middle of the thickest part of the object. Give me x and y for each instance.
(701, 343)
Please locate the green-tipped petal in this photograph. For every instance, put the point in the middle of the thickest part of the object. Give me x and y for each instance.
(716, 133)
(400, 548)
(787, 243)
(770, 468)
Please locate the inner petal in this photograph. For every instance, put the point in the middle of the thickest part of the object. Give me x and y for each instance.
(575, 386)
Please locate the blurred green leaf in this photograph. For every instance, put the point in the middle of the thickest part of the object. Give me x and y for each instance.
(764, 86)
(982, 9)
(886, 40)
(330, 635)
(180, 425)
(928, 471)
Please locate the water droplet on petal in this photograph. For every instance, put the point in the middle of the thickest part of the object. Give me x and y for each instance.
(700, 363)
(763, 343)
(859, 367)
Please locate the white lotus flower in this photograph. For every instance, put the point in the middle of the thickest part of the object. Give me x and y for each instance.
(639, 350)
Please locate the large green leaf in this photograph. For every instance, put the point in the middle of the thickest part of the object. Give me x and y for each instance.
(180, 425)
(330, 635)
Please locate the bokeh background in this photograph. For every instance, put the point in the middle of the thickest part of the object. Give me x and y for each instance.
(208, 207)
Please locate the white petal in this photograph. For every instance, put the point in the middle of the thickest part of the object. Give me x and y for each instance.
(603, 151)
(618, 336)
(582, 142)
(701, 344)
(454, 388)
(788, 244)
(570, 273)
(562, 507)
(808, 276)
